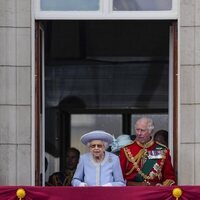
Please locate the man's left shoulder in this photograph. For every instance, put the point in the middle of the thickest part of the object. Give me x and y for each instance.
(132, 144)
(160, 145)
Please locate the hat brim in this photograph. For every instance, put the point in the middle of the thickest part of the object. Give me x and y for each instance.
(97, 135)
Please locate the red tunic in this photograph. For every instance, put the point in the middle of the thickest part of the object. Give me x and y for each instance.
(155, 156)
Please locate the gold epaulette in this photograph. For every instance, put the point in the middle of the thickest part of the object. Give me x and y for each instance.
(168, 182)
(162, 145)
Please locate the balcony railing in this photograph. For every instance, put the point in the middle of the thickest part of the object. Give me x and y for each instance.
(100, 193)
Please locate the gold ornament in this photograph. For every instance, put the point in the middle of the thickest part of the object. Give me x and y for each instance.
(177, 192)
(21, 193)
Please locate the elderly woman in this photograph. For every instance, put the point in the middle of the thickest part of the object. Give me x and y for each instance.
(98, 167)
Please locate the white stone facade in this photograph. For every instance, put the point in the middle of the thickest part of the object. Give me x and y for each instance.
(15, 89)
(189, 92)
(16, 93)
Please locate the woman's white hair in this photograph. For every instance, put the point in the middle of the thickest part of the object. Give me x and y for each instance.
(106, 145)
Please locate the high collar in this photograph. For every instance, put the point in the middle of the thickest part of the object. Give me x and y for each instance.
(147, 144)
(102, 161)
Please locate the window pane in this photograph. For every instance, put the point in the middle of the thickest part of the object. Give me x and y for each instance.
(160, 121)
(83, 123)
(102, 86)
(151, 5)
(69, 5)
(114, 64)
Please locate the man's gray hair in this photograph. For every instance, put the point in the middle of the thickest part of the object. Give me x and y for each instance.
(149, 122)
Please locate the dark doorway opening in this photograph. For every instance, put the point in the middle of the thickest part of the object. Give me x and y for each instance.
(118, 68)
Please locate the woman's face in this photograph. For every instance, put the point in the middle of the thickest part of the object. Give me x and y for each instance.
(97, 148)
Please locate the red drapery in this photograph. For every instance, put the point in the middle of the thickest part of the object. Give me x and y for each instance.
(100, 193)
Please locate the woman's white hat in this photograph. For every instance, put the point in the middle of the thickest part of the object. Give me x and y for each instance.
(97, 135)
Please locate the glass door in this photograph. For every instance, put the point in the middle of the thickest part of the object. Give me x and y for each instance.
(102, 74)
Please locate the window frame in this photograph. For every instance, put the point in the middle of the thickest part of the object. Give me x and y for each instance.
(174, 98)
(106, 12)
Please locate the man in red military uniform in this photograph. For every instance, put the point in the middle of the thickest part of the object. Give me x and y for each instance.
(145, 161)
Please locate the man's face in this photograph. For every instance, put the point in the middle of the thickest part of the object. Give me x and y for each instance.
(97, 148)
(143, 134)
(72, 159)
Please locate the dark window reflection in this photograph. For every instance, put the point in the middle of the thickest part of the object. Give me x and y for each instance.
(107, 64)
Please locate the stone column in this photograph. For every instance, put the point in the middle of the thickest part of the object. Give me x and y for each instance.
(15, 92)
(189, 92)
